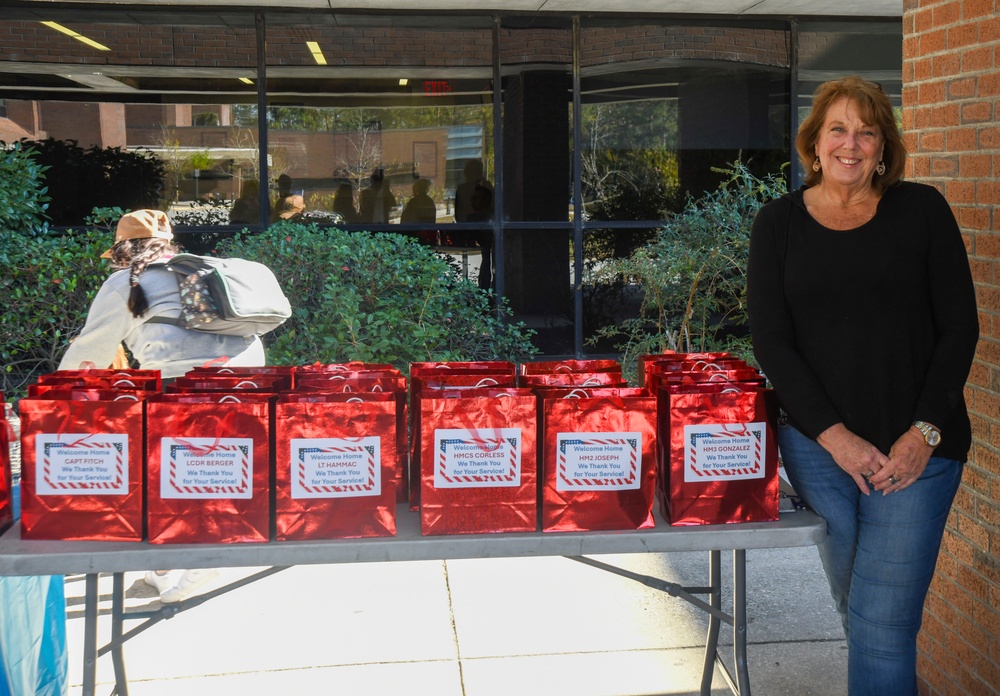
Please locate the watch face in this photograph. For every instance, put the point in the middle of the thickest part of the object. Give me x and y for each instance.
(933, 438)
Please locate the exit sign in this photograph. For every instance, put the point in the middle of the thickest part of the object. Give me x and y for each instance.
(437, 87)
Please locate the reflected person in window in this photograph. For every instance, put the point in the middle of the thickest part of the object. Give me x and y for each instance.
(474, 203)
(377, 200)
(289, 205)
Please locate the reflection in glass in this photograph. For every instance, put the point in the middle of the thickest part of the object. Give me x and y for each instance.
(364, 166)
(609, 301)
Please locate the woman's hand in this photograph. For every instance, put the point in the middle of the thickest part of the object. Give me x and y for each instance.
(855, 455)
(907, 460)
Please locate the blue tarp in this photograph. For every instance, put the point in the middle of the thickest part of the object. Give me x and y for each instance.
(33, 658)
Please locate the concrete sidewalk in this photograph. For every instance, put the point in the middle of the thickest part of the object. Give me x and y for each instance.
(491, 627)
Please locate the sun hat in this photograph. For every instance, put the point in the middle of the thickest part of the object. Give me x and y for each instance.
(141, 224)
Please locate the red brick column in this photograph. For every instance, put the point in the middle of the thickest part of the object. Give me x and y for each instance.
(951, 110)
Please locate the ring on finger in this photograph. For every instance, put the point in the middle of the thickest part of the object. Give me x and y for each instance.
(893, 480)
(868, 475)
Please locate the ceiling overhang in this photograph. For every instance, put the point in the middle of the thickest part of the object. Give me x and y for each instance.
(750, 8)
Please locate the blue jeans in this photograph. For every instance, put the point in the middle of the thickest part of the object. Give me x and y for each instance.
(879, 556)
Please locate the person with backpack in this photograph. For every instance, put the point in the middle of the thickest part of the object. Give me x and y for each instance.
(139, 304)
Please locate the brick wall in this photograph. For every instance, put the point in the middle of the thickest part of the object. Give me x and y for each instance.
(951, 123)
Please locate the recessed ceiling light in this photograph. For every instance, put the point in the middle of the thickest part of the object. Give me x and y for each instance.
(317, 54)
(246, 80)
(403, 82)
(79, 37)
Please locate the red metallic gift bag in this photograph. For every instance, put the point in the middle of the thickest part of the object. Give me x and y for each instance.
(286, 371)
(209, 458)
(566, 367)
(448, 375)
(49, 382)
(335, 474)
(598, 459)
(563, 380)
(114, 375)
(478, 461)
(200, 382)
(394, 385)
(82, 465)
(646, 363)
(721, 461)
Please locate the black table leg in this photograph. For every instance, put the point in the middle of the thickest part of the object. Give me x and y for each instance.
(740, 621)
(714, 623)
(117, 621)
(90, 635)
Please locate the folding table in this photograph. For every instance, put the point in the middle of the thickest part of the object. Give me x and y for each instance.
(796, 528)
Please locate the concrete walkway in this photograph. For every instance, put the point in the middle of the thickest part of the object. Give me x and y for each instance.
(491, 627)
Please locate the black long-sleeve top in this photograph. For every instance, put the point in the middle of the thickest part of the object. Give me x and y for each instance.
(874, 327)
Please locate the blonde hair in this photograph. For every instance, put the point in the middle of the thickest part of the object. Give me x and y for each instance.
(874, 108)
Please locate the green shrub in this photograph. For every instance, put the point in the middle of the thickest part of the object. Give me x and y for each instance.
(48, 285)
(693, 274)
(376, 298)
(23, 195)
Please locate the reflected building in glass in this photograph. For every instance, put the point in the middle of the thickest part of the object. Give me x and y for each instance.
(587, 130)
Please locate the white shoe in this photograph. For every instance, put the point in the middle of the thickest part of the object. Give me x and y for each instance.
(191, 581)
(163, 582)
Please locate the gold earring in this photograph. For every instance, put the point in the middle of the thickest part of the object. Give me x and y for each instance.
(880, 168)
(816, 164)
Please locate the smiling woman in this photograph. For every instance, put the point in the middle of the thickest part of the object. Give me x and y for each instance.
(863, 316)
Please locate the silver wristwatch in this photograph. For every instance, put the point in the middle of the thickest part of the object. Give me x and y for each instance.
(932, 436)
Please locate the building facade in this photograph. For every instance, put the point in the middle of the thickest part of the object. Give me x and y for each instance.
(565, 110)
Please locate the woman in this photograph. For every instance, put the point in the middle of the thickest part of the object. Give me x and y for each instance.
(121, 312)
(863, 316)
(141, 290)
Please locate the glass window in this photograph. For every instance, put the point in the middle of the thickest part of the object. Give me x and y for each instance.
(171, 89)
(373, 121)
(662, 107)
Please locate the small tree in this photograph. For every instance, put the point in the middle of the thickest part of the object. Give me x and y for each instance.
(693, 274)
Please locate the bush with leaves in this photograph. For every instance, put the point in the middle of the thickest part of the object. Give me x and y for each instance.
(23, 195)
(693, 274)
(376, 298)
(48, 285)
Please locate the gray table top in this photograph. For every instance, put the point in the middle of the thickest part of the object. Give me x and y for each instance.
(20, 557)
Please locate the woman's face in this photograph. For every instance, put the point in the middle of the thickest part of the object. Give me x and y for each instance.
(848, 148)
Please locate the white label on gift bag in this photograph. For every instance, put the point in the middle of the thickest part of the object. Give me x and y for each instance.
(598, 461)
(81, 464)
(724, 452)
(205, 467)
(485, 458)
(334, 467)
